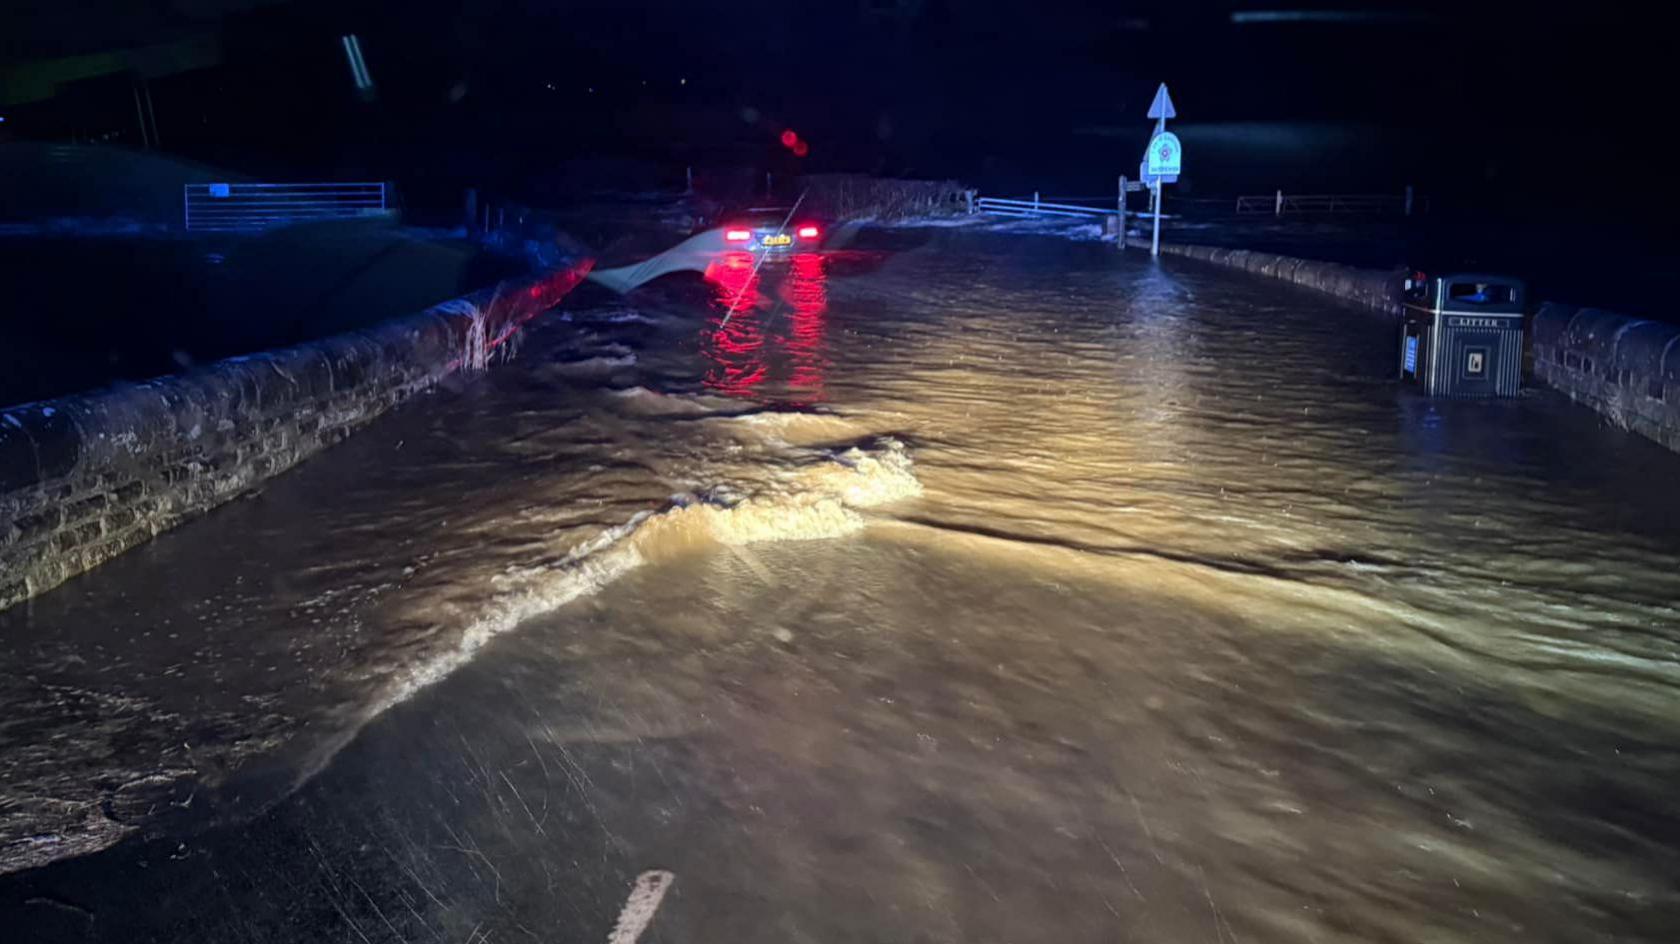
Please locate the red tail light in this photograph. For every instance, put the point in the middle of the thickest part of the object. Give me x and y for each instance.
(808, 232)
(737, 235)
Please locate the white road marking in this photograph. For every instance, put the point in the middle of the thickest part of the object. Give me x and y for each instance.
(645, 897)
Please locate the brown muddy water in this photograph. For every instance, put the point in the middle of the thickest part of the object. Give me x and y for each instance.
(963, 586)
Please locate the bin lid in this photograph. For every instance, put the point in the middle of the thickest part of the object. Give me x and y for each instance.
(1478, 292)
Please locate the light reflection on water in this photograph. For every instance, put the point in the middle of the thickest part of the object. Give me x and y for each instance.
(1199, 631)
(752, 331)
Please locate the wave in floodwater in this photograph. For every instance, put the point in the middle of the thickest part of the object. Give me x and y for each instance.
(351, 584)
(1184, 623)
(822, 497)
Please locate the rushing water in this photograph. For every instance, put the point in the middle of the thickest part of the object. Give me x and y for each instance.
(952, 586)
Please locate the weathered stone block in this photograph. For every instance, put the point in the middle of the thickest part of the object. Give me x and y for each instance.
(90, 507)
(354, 359)
(1639, 356)
(71, 538)
(1551, 324)
(313, 369)
(213, 402)
(1671, 372)
(1592, 335)
(57, 440)
(436, 340)
(100, 553)
(18, 467)
(119, 519)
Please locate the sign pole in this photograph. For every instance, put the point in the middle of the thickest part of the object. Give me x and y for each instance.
(1160, 188)
(1155, 239)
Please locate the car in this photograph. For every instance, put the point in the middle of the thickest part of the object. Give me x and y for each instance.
(771, 230)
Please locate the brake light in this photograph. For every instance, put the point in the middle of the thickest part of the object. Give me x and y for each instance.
(808, 232)
(737, 235)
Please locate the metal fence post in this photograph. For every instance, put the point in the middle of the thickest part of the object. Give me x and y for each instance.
(1408, 199)
(1279, 209)
(1035, 199)
(1120, 216)
(140, 116)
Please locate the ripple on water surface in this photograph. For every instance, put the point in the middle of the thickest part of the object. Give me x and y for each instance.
(1145, 604)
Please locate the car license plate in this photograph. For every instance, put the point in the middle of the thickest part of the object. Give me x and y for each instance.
(778, 240)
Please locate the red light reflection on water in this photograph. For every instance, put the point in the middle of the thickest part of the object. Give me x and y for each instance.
(806, 292)
(772, 345)
(736, 344)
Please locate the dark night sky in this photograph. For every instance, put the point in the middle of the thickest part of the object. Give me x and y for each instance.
(1519, 106)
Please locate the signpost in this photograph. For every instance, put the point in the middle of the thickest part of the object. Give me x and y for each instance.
(1163, 161)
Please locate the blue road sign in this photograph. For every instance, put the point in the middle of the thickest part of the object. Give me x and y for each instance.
(1165, 157)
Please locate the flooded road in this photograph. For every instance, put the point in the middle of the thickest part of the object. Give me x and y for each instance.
(956, 586)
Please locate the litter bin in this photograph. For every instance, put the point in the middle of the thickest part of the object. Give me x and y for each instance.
(1462, 335)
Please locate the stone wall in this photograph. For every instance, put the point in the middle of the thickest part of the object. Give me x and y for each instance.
(1625, 368)
(1375, 289)
(857, 197)
(87, 477)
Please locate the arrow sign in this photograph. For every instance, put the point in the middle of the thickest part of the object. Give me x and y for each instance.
(1162, 107)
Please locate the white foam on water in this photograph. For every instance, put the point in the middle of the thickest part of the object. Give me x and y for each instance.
(1073, 229)
(475, 354)
(597, 364)
(812, 501)
(932, 222)
(640, 400)
(619, 316)
(789, 428)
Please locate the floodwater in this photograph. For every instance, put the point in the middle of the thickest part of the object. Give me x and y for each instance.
(956, 586)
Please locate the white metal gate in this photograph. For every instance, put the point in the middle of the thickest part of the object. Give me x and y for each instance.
(1037, 207)
(247, 206)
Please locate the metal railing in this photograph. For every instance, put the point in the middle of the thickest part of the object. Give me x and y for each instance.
(246, 206)
(1037, 207)
(1326, 204)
